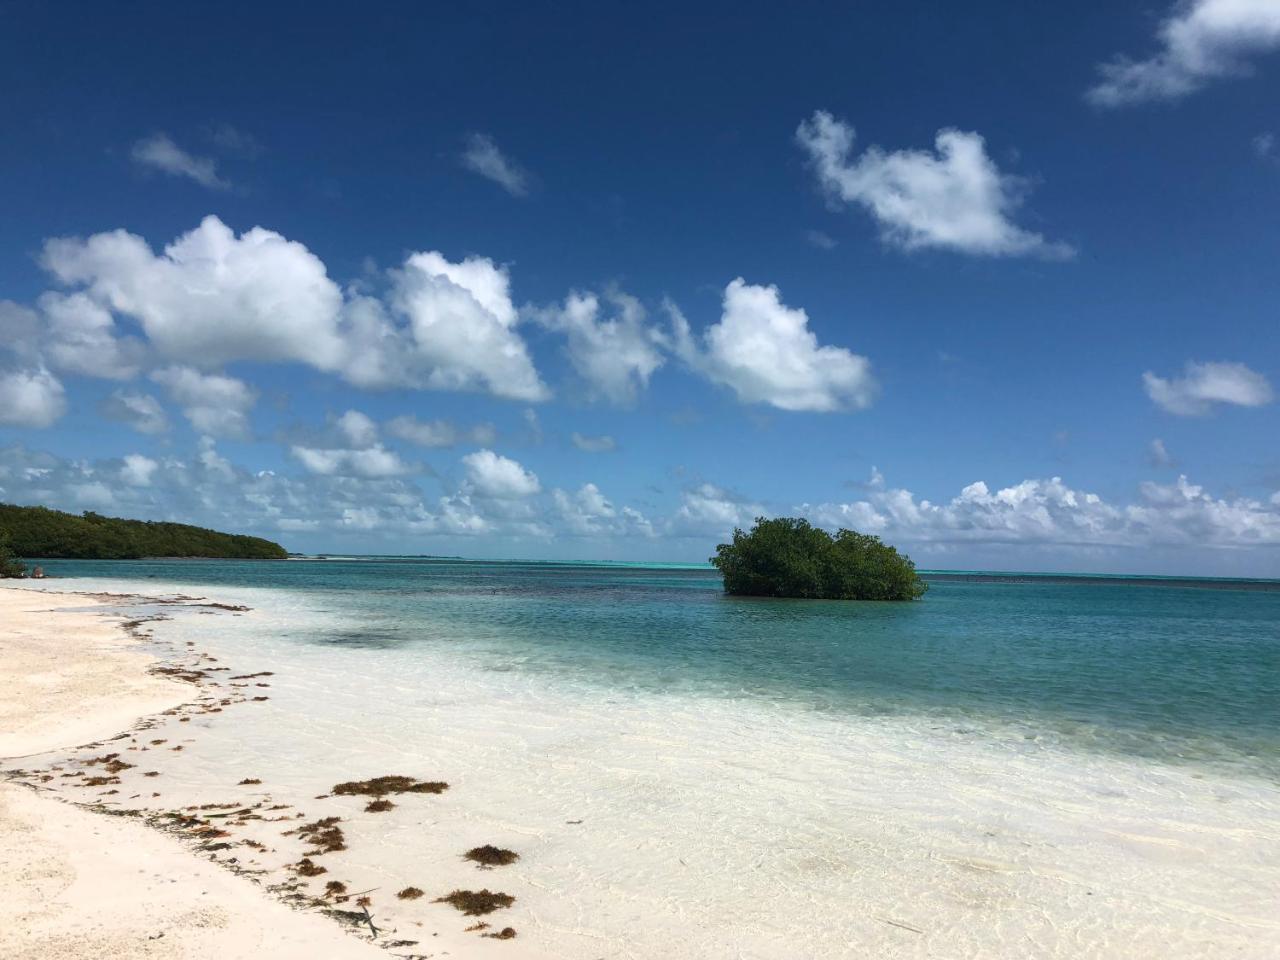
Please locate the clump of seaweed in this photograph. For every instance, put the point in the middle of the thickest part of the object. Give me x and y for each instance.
(365, 902)
(409, 893)
(249, 782)
(324, 833)
(476, 903)
(381, 786)
(491, 856)
(380, 805)
(98, 781)
(475, 927)
(306, 867)
(506, 933)
(335, 887)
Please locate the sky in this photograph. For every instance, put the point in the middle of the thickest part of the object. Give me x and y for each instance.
(997, 282)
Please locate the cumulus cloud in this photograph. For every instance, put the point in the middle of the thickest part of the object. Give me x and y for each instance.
(211, 297)
(1205, 385)
(614, 356)
(460, 331)
(440, 433)
(357, 428)
(492, 475)
(159, 152)
(216, 404)
(1049, 512)
(31, 398)
(1199, 41)
(588, 513)
(601, 444)
(954, 199)
(351, 447)
(81, 338)
(138, 470)
(482, 156)
(371, 461)
(709, 510)
(141, 411)
(765, 352)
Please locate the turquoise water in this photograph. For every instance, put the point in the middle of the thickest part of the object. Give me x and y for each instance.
(1168, 672)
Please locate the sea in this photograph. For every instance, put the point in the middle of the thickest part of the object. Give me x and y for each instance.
(1015, 766)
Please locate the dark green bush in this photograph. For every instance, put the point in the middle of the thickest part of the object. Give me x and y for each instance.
(788, 557)
(10, 566)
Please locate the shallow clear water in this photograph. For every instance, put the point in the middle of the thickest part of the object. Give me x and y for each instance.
(1169, 673)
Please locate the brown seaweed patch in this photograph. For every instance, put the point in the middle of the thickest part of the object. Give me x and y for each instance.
(491, 856)
(381, 786)
(324, 833)
(335, 887)
(409, 893)
(306, 867)
(476, 926)
(99, 781)
(248, 782)
(506, 933)
(380, 805)
(475, 903)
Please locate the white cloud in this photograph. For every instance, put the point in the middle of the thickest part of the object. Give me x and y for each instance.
(482, 156)
(1048, 512)
(460, 331)
(954, 199)
(138, 470)
(81, 338)
(440, 433)
(1158, 455)
(19, 330)
(765, 351)
(31, 398)
(161, 153)
(1264, 145)
(1199, 41)
(373, 461)
(215, 404)
(358, 429)
(212, 297)
(141, 411)
(588, 513)
(1207, 384)
(708, 510)
(614, 357)
(600, 444)
(492, 475)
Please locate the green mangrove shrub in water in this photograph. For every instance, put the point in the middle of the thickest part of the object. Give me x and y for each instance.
(788, 557)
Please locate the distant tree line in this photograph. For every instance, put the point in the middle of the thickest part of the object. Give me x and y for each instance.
(787, 557)
(39, 532)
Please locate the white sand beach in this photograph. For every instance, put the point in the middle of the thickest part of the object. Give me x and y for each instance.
(82, 885)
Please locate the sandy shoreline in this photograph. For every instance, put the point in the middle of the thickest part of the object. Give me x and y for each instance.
(78, 884)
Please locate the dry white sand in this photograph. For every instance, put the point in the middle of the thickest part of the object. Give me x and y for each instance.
(81, 885)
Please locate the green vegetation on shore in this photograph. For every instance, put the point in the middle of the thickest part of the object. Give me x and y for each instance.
(10, 566)
(40, 532)
(787, 557)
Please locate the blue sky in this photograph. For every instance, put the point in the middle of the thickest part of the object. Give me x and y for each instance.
(1007, 291)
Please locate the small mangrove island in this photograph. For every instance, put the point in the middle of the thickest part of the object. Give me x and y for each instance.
(789, 557)
(41, 532)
